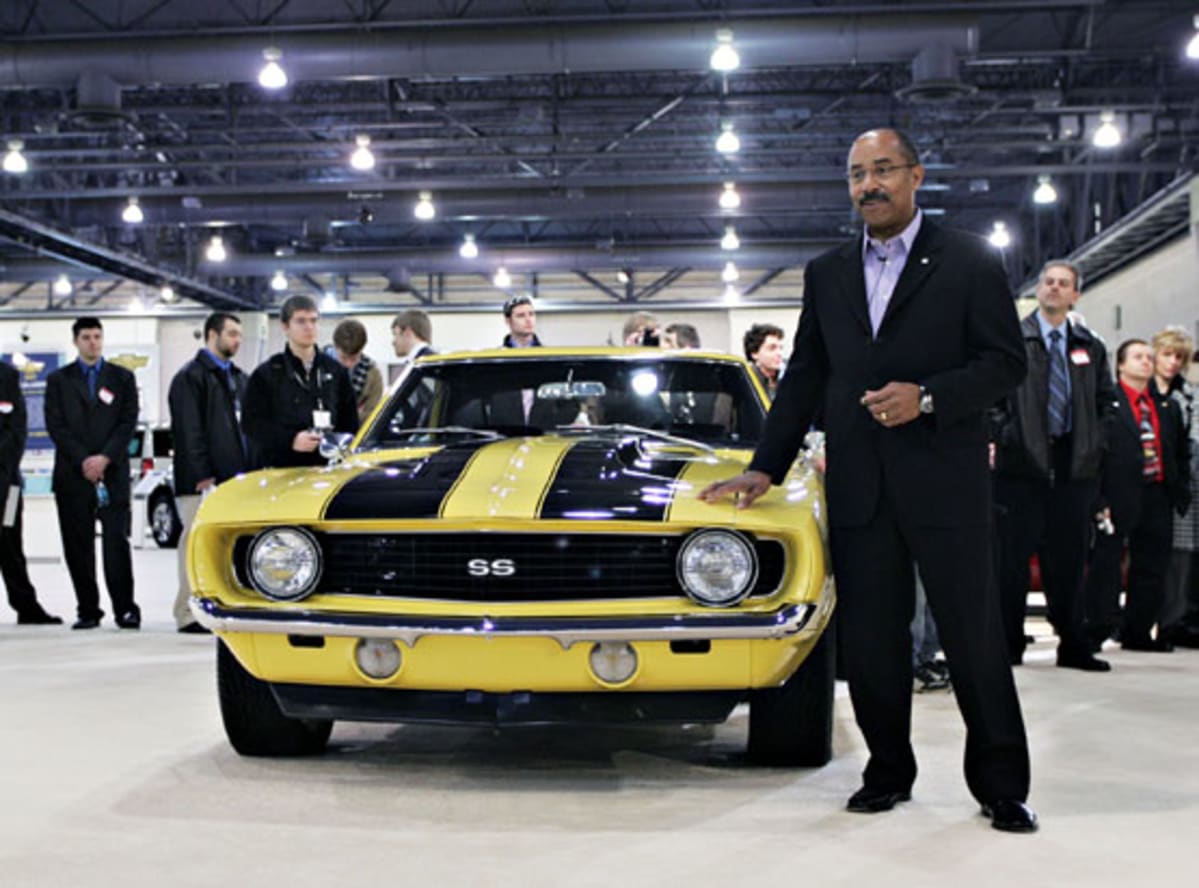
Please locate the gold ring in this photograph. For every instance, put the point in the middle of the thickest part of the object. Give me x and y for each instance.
(883, 416)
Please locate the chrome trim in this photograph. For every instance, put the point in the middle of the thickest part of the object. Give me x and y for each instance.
(567, 631)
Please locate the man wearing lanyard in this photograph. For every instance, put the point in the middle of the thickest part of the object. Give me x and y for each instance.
(205, 399)
(1142, 481)
(297, 395)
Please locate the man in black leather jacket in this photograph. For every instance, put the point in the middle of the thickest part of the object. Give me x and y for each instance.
(1051, 434)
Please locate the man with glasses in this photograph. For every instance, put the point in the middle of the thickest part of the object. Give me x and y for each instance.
(908, 334)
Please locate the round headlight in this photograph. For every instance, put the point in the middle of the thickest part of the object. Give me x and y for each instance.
(717, 567)
(285, 563)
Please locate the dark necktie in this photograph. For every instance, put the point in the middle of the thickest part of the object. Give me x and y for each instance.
(1059, 396)
(1153, 462)
(93, 373)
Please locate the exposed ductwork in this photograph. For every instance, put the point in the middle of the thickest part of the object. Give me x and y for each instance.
(936, 77)
(498, 51)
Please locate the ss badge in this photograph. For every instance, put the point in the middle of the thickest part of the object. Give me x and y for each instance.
(498, 567)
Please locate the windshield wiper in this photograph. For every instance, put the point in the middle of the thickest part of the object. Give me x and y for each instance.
(625, 428)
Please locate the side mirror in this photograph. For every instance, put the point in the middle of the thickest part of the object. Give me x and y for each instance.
(335, 445)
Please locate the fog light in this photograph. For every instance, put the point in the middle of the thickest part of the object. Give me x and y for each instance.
(613, 662)
(378, 658)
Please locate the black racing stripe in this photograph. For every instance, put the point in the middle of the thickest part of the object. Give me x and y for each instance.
(603, 479)
(411, 488)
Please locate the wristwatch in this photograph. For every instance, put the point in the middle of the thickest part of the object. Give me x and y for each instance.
(926, 400)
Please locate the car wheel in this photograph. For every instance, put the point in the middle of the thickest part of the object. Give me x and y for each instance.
(253, 721)
(165, 525)
(792, 725)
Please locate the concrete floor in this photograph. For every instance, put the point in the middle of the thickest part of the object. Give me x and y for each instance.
(114, 770)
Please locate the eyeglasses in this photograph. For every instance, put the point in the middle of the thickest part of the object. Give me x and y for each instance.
(882, 172)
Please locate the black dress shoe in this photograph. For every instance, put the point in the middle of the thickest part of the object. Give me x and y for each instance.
(1011, 816)
(1084, 660)
(872, 801)
(38, 618)
(86, 623)
(130, 620)
(1153, 645)
(194, 629)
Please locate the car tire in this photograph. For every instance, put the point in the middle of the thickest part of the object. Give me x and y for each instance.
(253, 721)
(792, 725)
(163, 519)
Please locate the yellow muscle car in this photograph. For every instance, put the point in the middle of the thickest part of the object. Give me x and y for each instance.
(514, 537)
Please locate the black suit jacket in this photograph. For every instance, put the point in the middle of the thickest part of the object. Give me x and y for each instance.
(1124, 460)
(13, 429)
(950, 326)
(81, 427)
(208, 439)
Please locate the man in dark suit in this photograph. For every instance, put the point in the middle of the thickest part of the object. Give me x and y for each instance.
(91, 413)
(13, 429)
(205, 400)
(907, 336)
(1144, 480)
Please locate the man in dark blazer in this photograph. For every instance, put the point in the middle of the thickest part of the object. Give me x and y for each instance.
(13, 429)
(91, 412)
(907, 336)
(1144, 480)
(205, 400)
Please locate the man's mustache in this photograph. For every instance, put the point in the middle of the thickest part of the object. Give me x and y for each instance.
(872, 196)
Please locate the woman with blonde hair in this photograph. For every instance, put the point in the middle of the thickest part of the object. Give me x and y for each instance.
(1173, 349)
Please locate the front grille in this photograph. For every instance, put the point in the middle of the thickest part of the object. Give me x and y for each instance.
(545, 567)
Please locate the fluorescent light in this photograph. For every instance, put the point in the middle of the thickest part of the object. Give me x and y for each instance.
(279, 281)
(424, 209)
(1107, 135)
(132, 214)
(501, 278)
(724, 56)
(1045, 193)
(216, 250)
(62, 286)
(1000, 237)
(727, 142)
(469, 249)
(732, 296)
(730, 241)
(272, 75)
(729, 198)
(730, 274)
(14, 160)
(166, 293)
(363, 158)
(1193, 46)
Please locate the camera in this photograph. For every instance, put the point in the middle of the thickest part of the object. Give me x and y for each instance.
(650, 337)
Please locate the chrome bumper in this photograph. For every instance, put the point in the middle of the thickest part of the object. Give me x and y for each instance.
(782, 623)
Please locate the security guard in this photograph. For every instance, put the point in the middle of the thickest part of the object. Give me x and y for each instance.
(296, 395)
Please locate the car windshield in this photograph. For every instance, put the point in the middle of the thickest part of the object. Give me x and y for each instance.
(708, 401)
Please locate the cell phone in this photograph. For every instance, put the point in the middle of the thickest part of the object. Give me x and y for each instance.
(650, 337)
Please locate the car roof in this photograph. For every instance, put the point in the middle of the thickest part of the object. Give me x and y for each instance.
(582, 351)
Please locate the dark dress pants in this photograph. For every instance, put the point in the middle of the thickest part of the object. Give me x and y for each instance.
(875, 602)
(21, 594)
(1145, 520)
(1052, 519)
(77, 523)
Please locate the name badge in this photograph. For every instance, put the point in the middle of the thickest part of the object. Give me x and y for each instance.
(1079, 357)
(322, 419)
(5, 406)
(105, 395)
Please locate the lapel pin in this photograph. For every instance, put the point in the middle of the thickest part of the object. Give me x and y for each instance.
(924, 260)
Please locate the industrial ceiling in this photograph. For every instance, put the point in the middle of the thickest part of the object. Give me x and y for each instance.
(573, 141)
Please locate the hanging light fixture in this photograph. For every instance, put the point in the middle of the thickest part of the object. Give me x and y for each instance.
(62, 286)
(271, 75)
(730, 241)
(729, 198)
(501, 278)
(727, 142)
(14, 161)
(1193, 46)
(724, 57)
(730, 274)
(622, 276)
(424, 209)
(136, 305)
(1045, 193)
(132, 214)
(469, 249)
(166, 293)
(363, 158)
(216, 249)
(732, 295)
(1107, 134)
(279, 281)
(1000, 237)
